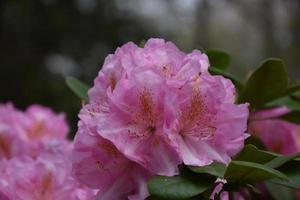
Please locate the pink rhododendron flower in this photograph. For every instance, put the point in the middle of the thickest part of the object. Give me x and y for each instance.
(43, 124)
(209, 126)
(11, 144)
(26, 133)
(34, 156)
(218, 192)
(46, 177)
(157, 107)
(98, 164)
(278, 135)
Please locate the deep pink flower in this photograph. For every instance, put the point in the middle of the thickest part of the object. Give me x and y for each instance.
(278, 135)
(98, 164)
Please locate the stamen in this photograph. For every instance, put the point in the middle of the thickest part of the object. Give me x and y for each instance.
(46, 183)
(113, 81)
(100, 166)
(37, 130)
(195, 120)
(109, 148)
(4, 147)
(146, 114)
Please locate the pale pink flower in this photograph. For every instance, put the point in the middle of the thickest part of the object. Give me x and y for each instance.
(26, 133)
(225, 195)
(43, 124)
(277, 135)
(11, 143)
(98, 164)
(46, 177)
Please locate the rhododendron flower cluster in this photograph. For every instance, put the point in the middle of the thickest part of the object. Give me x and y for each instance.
(150, 110)
(26, 133)
(277, 135)
(34, 156)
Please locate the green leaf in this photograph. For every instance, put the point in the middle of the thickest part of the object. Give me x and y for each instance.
(178, 187)
(218, 59)
(238, 84)
(267, 83)
(292, 171)
(215, 169)
(251, 153)
(253, 140)
(249, 172)
(281, 160)
(293, 88)
(279, 192)
(78, 87)
(142, 43)
(285, 101)
(296, 97)
(293, 117)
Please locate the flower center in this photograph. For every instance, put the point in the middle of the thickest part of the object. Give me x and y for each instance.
(195, 120)
(46, 184)
(113, 81)
(144, 121)
(4, 147)
(37, 131)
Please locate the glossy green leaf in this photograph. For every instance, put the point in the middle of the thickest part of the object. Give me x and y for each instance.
(293, 88)
(215, 169)
(249, 172)
(251, 153)
(218, 59)
(281, 160)
(177, 187)
(279, 192)
(265, 84)
(253, 140)
(78, 87)
(292, 171)
(293, 117)
(285, 101)
(295, 97)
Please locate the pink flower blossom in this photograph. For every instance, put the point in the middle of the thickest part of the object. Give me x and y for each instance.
(164, 58)
(98, 164)
(11, 144)
(26, 133)
(43, 124)
(278, 135)
(46, 177)
(209, 126)
(138, 122)
(156, 107)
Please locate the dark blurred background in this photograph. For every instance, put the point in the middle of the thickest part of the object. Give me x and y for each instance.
(43, 41)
